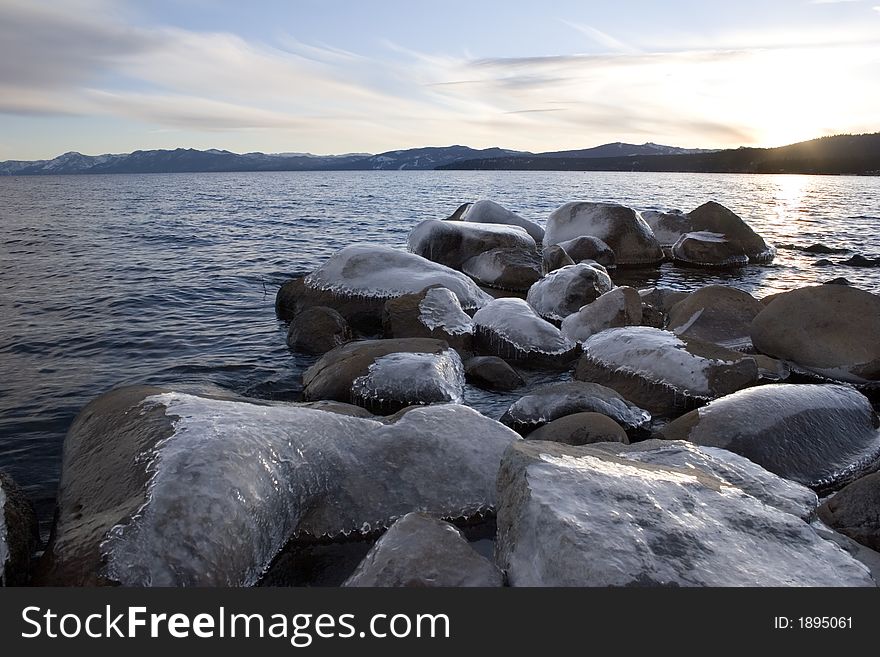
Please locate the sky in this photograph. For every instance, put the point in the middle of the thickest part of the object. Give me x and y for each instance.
(342, 76)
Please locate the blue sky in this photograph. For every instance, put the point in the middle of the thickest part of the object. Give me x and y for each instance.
(338, 76)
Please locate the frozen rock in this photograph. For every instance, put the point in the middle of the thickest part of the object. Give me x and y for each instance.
(492, 373)
(164, 488)
(855, 511)
(581, 429)
(421, 551)
(334, 373)
(718, 314)
(399, 380)
(451, 243)
(621, 306)
(656, 304)
(579, 516)
(317, 330)
(618, 226)
(563, 292)
(510, 329)
(553, 401)
(432, 313)
(662, 372)
(554, 257)
(713, 217)
(587, 247)
(821, 436)
(707, 249)
(18, 533)
(831, 330)
(667, 226)
(505, 269)
(489, 212)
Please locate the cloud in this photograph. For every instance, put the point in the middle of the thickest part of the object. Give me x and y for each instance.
(831, 2)
(602, 38)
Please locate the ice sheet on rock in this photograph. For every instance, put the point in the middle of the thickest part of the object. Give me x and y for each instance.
(562, 292)
(403, 379)
(440, 309)
(514, 320)
(236, 480)
(367, 270)
(490, 212)
(667, 226)
(4, 548)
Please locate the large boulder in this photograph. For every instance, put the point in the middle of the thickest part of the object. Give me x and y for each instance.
(434, 312)
(618, 226)
(621, 306)
(581, 429)
(317, 330)
(555, 400)
(160, 488)
(490, 212)
(717, 314)
(668, 227)
(713, 217)
(563, 292)
(452, 243)
(706, 249)
(357, 280)
(662, 372)
(855, 511)
(554, 257)
(587, 516)
(510, 329)
(420, 551)
(587, 247)
(492, 373)
(821, 436)
(505, 269)
(831, 330)
(19, 536)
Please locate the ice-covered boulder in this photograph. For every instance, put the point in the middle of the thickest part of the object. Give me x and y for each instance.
(18, 533)
(618, 226)
(562, 292)
(510, 329)
(357, 280)
(587, 247)
(587, 516)
(165, 488)
(831, 330)
(490, 212)
(717, 314)
(421, 551)
(713, 217)
(492, 373)
(667, 226)
(662, 372)
(432, 313)
(554, 257)
(621, 306)
(505, 269)
(819, 435)
(706, 249)
(581, 429)
(555, 400)
(855, 511)
(451, 243)
(317, 330)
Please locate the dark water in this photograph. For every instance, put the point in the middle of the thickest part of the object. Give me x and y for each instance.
(109, 280)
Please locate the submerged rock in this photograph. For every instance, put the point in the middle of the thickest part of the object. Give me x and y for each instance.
(718, 314)
(662, 372)
(19, 536)
(492, 373)
(861, 261)
(420, 551)
(432, 313)
(553, 401)
(554, 257)
(713, 217)
(668, 227)
(855, 511)
(490, 212)
(581, 429)
(317, 330)
(510, 329)
(618, 226)
(452, 243)
(581, 516)
(162, 488)
(821, 436)
(587, 247)
(621, 306)
(505, 269)
(564, 291)
(707, 249)
(827, 329)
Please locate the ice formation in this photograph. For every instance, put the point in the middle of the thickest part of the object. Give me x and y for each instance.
(490, 212)
(454, 242)
(564, 291)
(708, 249)
(667, 226)
(440, 309)
(511, 329)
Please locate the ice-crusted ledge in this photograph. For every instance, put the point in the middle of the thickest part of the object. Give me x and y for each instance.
(440, 309)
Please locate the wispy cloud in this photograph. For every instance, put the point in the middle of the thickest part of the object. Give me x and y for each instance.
(602, 38)
(831, 2)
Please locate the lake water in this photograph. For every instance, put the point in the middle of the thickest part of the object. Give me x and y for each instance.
(171, 279)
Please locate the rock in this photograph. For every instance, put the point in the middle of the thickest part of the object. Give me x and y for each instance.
(420, 551)
(668, 227)
(580, 516)
(505, 269)
(662, 372)
(656, 304)
(510, 329)
(587, 247)
(581, 429)
(830, 330)
(451, 243)
(492, 373)
(334, 373)
(840, 280)
(432, 313)
(713, 217)
(618, 226)
(861, 261)
(317, 330)
(621, 306)
(357, 281)
(19, 536)
(824, 262)
(564, 291)
(554, 257)
(821, 436)
(489, 212)
(770, 369)
(821, 248)
(855, 511)
(396, 381)
(164, 488)
(556, 400)
(342, 408)
(706, 249)
(718, 314)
